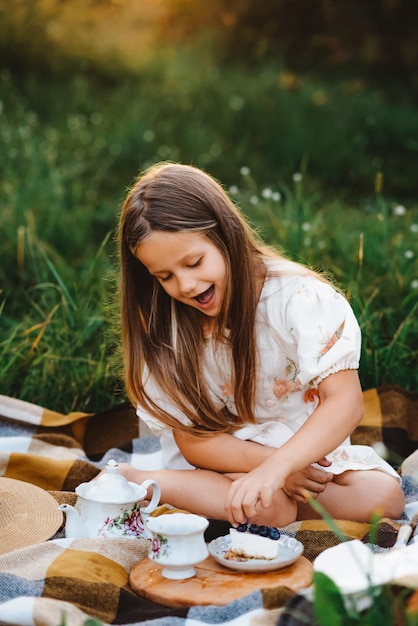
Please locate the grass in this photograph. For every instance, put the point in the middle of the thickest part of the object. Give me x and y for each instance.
(304, 164)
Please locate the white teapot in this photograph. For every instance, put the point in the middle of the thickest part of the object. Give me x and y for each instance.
(110, 506)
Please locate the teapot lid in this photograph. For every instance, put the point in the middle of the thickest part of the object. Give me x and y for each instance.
(111, 486)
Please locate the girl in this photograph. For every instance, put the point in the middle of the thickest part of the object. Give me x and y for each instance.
(243, 361)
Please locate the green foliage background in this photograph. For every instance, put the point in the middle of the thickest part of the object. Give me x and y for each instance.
(318, 148)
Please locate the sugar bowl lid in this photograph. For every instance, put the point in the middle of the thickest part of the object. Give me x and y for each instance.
(112, 487)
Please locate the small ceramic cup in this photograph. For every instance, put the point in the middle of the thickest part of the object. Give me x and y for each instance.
(177, 543)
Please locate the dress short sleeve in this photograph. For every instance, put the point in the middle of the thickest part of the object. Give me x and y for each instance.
(324, 330)
(154, 391)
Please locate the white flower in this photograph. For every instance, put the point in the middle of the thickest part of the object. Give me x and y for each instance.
(236, 102)
(233, 189)
(148, 135)
(276, 196)
(266, 193)
(414, 283)
(164, 151)
(254, 199)
(399, 210)
(306, 226)
(297, 177)
(409, 254)
(244, 170)
(414, 228)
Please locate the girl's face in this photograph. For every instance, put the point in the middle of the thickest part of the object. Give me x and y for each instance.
(188, 266)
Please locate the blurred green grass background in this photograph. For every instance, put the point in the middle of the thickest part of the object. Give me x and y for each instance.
(319, 150)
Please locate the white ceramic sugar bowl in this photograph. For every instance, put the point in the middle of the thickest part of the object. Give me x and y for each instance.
(177, 543)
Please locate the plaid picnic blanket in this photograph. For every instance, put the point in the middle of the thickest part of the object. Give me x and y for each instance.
(70, 581)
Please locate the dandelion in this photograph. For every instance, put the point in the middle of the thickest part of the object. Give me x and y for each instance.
(244, 170)
(236, 102)
(233, 190)
(409, 254)
(148, 135)
(297, 177)
(266, 193)
(399, 210)
(254, 199)
(414, 283)
(306, 226)
(276, 196)
(164, 151)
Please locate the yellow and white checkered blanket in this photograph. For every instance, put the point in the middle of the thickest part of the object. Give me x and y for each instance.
(71, 581)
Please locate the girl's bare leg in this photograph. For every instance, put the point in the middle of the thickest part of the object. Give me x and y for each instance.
(356, 495)
(203, 492)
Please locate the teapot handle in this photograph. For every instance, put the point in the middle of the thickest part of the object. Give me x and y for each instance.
(156, 495)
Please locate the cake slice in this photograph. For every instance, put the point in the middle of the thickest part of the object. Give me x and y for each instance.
(253, 542)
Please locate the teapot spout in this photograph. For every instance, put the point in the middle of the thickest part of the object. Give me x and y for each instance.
(74, 527)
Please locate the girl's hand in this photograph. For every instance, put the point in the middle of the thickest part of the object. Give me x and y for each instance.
(255, 488)
(310, 482)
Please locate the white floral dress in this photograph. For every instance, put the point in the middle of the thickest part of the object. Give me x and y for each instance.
(306, 331)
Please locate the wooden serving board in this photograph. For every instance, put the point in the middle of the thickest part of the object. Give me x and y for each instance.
(213, 583)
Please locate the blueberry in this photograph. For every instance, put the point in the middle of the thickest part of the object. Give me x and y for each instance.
(274, 533)
(263, 531)
(253, 529)
(241, 528)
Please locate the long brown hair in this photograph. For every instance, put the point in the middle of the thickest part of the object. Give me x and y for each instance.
(165, 335)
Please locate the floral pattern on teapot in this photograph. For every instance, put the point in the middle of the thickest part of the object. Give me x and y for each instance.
(128, 524)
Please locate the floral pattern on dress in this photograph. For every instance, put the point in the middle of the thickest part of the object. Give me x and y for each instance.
(282, 387)
(329, 341)
(358, 457)
(227, 395)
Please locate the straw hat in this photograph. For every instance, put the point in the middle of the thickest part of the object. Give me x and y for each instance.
(28, 515)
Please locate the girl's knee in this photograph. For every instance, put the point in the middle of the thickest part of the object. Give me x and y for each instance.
(394, 500)
(387, 495)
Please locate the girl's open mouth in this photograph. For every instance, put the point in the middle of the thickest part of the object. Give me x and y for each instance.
(206, 297)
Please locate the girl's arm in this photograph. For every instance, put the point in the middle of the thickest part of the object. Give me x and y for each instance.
(221, 453)
(329, 425)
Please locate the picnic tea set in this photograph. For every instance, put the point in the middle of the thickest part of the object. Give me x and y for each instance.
(111, 506)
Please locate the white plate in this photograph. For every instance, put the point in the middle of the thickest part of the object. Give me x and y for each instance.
(289, 551)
